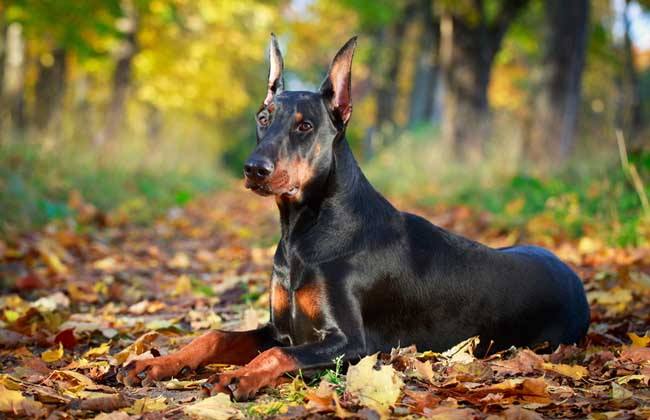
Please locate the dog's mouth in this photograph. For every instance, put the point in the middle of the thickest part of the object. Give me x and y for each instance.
(264, 189)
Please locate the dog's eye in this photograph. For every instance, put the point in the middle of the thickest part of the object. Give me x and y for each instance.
(304, 126)
(263, 120)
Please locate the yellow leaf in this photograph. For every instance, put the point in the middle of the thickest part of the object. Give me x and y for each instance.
(98, 351)
(53, 355)
(176, 384)
(183, 286)
(639, 341)
(576, 372)
(463, 352)
(15, 403)
(11, 316)
(218, 407)
(375, 388)
(72, 378)
(620, 393)
(147, 405)
(141, 345)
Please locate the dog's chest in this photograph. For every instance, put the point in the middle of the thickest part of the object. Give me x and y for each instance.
(297, 313)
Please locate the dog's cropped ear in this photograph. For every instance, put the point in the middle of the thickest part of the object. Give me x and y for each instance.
(336, 88)
(276, 82)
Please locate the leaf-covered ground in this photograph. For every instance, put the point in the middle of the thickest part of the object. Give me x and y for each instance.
(79, 301)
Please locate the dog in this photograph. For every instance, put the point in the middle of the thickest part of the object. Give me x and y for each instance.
(352, 275)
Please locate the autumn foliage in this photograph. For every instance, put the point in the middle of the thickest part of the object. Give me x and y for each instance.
(80, 303)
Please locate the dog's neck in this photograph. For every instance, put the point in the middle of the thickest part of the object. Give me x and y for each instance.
(343, 194)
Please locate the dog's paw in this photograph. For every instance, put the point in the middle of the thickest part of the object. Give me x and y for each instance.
(240, 385)
(146, 372)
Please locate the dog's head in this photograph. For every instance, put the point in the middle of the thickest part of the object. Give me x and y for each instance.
(296, 130)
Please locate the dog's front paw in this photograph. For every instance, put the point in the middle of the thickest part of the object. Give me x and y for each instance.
(146, 372)
(241, 385)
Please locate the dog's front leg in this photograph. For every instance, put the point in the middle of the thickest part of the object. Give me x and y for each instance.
(267, 368)
(232, 347)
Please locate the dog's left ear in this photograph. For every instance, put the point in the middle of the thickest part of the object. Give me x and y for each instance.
(336, 88)
(276, 81)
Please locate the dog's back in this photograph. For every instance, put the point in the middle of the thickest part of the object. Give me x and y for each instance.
(436, 289)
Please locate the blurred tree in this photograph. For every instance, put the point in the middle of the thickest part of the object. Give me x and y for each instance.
(13, 89)
(557, 105)
(422, 98)
(629, 118)
(3, 49)
(389, 48)
(50, 87)
(127, 26)
(471, 33)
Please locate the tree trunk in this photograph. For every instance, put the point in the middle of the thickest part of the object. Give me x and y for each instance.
(50, 87)
(466, 66)
(3, 53)
(13, 88)
(467, 51)
(426, 71)
(389, 65)
(121, 77)
(556, 110)
(629, 112)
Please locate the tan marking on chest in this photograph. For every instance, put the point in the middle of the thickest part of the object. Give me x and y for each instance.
(279, 299)
(309, 299)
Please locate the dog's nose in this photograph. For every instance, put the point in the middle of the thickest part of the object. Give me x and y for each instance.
(258, 169)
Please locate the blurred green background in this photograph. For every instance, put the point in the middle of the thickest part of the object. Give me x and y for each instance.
(535, 111)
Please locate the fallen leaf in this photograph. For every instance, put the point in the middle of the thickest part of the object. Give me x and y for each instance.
(148, 405)
(516, 413)
(176, 384)
(179, 261)
(639, 341)
(423, 370)
(525, 361)
(66, 338)
(14, 402)
(576, 372)
(98, 351)
(615, 299)
(463, 352)
(53, 355)
(375, 388)
(52, 302)
(636, 354)
(620, 393)
(107, 404)
(218, 407)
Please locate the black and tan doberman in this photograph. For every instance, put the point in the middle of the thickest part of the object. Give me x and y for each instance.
(352, 275)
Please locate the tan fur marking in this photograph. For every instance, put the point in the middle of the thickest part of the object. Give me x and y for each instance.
(309, 298)
(289, 174)
(279, 299)
(298, 117)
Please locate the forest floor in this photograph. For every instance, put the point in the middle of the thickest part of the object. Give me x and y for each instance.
(80, 301)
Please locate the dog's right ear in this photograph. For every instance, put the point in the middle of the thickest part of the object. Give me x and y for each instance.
(276, 82)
